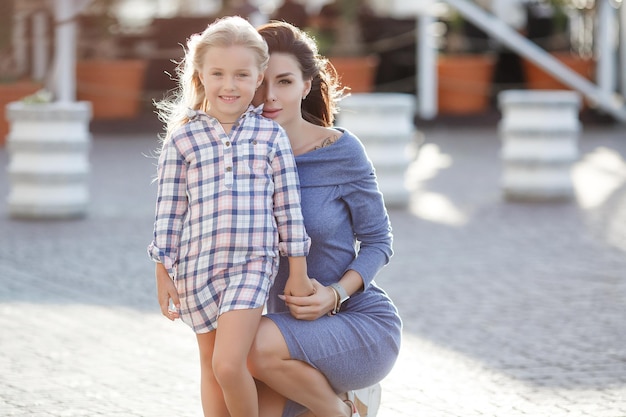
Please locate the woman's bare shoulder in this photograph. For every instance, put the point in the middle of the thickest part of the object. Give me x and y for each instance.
(326, 136)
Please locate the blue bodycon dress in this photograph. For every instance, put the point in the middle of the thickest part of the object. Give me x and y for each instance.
(345, 217)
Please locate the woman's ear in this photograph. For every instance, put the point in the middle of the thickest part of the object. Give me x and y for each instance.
(307, 88)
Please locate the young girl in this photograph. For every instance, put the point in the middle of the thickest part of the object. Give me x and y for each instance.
(227, 204)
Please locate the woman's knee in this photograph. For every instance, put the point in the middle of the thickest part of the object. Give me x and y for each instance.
(268, 350)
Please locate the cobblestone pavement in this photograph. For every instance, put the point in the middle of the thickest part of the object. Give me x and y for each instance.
(510, 309)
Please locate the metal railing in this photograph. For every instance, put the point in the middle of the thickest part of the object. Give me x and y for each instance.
(603, 95)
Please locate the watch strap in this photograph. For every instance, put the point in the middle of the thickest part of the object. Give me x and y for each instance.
(343, 294)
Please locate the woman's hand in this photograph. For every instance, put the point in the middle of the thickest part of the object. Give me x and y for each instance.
(166, 291)
(311, 307)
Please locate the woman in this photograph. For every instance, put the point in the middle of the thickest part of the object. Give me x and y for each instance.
(346, 335)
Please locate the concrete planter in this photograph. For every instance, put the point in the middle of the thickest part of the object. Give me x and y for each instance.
(48, 146)
(539, 132)
(384, 123)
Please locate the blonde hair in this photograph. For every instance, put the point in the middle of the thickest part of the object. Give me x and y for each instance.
(224, 32)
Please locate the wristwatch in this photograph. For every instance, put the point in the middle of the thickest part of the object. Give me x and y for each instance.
(342, 293)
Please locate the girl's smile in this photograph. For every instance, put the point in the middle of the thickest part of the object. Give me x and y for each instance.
(229, 99)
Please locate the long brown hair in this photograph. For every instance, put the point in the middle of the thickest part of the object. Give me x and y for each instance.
(320, 105)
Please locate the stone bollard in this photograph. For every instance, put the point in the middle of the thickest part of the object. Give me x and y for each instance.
(48, 145)
(539, 132)
(384, 123)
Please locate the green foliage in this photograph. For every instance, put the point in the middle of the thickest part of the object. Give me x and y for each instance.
(99, 28)
(560, 14)
(6, 24)
(349, 9)
(7, 63)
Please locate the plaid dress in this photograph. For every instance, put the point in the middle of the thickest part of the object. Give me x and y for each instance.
(227, 206)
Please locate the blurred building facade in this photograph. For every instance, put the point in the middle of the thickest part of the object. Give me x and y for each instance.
(153, 30)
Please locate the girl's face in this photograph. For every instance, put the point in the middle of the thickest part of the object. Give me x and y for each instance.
(282, 90)
(230, 76)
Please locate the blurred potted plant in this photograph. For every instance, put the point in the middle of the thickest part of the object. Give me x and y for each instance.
(465, 67)
(549, 27)
(337, 29)
(106, 76)
(13, 84)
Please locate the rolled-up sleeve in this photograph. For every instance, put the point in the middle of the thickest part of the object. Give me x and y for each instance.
(293, 239)
(171, 207)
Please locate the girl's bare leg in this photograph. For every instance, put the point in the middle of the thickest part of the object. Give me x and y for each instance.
(270, 362)
(211, 394)
(235, 332)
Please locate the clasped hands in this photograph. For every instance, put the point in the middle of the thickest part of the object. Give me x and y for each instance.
(310, 307)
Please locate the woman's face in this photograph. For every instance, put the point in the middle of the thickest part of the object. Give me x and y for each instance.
(282, 89)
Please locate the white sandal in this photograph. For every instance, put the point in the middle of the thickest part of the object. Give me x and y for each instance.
(351, 404)
(367, 400)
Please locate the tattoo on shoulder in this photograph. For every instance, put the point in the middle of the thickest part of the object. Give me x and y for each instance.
(327, 142)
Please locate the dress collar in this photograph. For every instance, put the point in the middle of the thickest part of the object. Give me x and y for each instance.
(193, 114)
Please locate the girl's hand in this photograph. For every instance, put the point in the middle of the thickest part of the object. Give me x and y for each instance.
(298, 283)
(311, 307)
(166, 291)
(300, 286)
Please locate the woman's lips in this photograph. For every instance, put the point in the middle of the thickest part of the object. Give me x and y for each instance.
(271, 113)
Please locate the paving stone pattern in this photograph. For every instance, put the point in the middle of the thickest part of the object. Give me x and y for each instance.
(510, 308)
